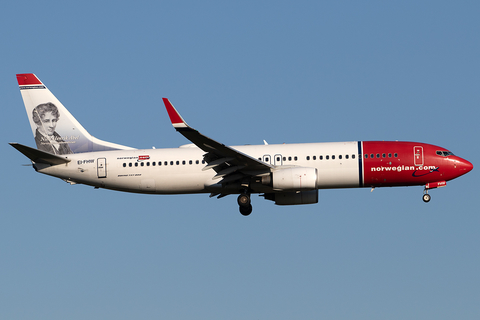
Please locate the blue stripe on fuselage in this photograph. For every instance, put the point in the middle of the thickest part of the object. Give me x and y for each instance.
(360, 164)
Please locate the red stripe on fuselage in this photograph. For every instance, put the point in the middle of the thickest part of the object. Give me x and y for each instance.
(397, 163)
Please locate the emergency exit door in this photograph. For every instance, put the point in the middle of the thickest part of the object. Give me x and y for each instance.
(102, 167)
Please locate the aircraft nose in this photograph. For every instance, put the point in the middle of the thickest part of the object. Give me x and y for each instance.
(464, 166)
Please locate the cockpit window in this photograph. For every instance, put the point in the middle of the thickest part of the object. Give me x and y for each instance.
(445, 153)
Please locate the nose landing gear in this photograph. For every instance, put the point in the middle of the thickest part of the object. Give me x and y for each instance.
(426, 197)
(244, 204)
(432, 185)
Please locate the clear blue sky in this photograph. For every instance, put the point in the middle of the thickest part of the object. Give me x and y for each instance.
(241, 72)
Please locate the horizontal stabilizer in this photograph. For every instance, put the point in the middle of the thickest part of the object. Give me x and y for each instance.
(39, 156)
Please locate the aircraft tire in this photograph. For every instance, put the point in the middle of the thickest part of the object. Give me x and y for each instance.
(426, 197)
(244, 200)
(246, 210)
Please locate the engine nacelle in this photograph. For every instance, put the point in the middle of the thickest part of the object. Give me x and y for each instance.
(292, 198)
(294, 179)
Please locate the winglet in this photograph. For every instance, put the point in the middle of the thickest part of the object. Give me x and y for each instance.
(175, 117)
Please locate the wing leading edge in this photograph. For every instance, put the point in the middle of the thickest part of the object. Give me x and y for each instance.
(229, 163)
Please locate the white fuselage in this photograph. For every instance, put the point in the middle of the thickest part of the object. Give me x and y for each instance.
(179, 170)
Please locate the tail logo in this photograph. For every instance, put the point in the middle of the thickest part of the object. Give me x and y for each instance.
(46, 116)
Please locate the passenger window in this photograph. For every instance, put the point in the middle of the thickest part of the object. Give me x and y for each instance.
(314, 157)
(389, 155)
(166, 163)
(383, 155)
(190, 162)
(130, 164)
(183, 162)
(148, 164)
(177, 162)
(284, 158)
(378, 155)
(333, 157)
(295, 158)
(159, 163)
(197, 162)
(346, 156)
(395, 155)
(371, 156)
(124, 165)
(142, 164)
(171, 163)
(136, 164)
(327, 157)
(353, 156)
(340, 157)
(308, 157)
(278, 159)
(289, 158)
(154, 164)
(203, 161)
(321, 157)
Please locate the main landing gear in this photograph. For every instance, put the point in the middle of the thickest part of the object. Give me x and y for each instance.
(244, 204)
(426, 197)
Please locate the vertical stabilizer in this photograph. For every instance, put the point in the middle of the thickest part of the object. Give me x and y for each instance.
(55, 129)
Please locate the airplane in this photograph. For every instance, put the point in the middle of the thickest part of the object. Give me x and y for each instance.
(288, 174)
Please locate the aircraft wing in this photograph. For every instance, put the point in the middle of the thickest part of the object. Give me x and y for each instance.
(229, 163)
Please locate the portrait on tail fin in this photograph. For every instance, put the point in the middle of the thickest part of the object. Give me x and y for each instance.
(46, 117)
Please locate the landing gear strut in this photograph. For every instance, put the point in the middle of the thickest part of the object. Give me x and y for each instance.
(244, 204)
(426, 196)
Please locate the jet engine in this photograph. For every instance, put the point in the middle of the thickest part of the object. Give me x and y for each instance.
(292, 179)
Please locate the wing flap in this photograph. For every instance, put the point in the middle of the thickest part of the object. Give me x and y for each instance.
(216, 163)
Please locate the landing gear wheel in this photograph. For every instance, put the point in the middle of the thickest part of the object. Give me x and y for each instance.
(246, 210)
(426, 197)
(244, 203)
(243, 200)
